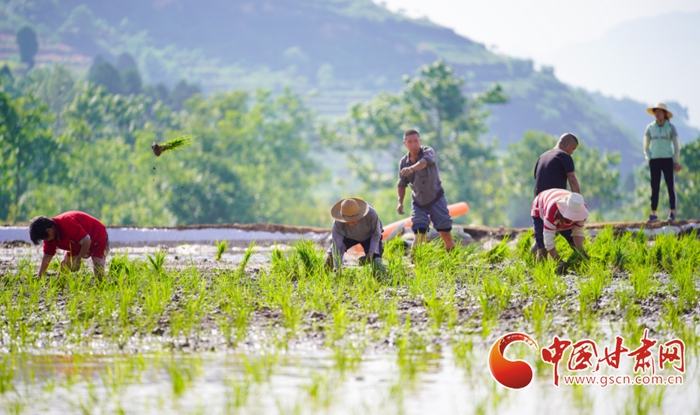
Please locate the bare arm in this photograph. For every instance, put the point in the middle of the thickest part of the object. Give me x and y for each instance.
(45, 261)
(573, 182)
(85, 248)
(402, 194)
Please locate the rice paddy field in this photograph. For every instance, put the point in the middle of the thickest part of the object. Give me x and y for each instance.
(271, 331)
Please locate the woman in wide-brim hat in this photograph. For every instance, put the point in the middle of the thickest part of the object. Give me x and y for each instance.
(662, 152)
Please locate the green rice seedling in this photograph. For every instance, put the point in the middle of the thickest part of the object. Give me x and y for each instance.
(591, 287)
(157, 261)
(497, 289)
(320, 390)
(440, 307)
(121, 265)
(389, 315)
(515, 275)
(489, 314)
(174, 144)
(536, 313)
(340, 322)
(182, 374)
(413, 354)
(246, 257)
(546, 281)
(281, 265)
(523, 247)
(258, 369)
(7, 373)
(683, 281)
(637, 251)
(642, 280)
(221, 247)
(347, 357)
(644, 400)
(237, 393)
(463, 351)
(498, 253)
(666, 252)
(306, 257)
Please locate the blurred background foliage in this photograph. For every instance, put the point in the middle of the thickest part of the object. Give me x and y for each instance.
(70, 143)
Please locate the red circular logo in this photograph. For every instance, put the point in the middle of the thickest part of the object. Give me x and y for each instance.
(514, 374)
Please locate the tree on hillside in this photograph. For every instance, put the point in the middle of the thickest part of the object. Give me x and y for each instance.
(27, 150)
(28, 45)
(106, 74)
(54, 85)
(181, 92)
(6, 75)
(95, 114)
(131, 82)
(125, 61)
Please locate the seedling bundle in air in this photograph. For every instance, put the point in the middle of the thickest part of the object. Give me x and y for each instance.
(174, 144)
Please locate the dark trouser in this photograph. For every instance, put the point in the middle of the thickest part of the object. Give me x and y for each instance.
(349, 243)
(656, 167)
(538, 225)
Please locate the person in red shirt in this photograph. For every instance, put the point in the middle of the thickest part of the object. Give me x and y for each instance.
(558, 211)
(77, 233)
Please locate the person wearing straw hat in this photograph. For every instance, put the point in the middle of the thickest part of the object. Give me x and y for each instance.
(555, 211)
(662, 151)
(356, 222)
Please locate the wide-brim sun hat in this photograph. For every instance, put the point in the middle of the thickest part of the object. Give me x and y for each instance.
(660, 106)
(572, 207)
(349, 210)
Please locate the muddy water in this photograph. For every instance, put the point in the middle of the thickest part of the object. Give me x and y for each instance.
(310, 382)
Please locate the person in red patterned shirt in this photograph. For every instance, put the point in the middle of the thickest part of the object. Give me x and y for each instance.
(77, 233)
(558, 211)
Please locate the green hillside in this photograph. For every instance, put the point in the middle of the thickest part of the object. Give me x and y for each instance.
(343, 51)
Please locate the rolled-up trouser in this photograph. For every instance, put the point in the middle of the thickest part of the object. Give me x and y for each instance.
(99, 248)
(656, 167)
(349, 243)
(538, 226)
(437, 213)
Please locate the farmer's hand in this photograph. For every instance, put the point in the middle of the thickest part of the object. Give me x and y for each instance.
(677, 166)
(562, 266)
(364, 259)
(584, 254)
(406, 171)
(399, 209)
(329, 261)
(541, 255)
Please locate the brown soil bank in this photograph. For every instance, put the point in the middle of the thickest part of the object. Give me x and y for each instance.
(477, 232)
(483, 232)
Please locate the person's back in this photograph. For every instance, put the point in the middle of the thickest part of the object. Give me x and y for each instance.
(555, 167)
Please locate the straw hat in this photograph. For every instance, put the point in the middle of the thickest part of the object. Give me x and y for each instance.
(349, 210)
(571, 207)
(660, 106)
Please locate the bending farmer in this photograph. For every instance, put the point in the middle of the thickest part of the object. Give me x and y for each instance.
(356, 222)
(558, 211)
(419, 169)
(662, 151)
(77, 233)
